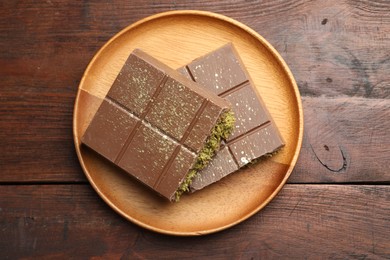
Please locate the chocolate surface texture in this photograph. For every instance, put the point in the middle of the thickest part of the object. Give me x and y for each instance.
(153, 123)
(255, 134)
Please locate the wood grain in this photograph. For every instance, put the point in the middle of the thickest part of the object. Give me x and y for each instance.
(334, 48)
(304, 221)
(345, 140)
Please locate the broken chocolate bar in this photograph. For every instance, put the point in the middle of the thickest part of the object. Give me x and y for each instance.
(255, 134)
(157, 125)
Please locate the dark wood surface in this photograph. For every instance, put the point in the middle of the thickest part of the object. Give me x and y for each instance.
(336, 203)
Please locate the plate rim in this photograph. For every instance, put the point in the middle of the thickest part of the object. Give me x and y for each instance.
(254, 34)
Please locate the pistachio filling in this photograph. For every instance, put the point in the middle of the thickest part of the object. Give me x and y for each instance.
(221, 130)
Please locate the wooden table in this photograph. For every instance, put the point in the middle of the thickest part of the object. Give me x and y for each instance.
(336, 203)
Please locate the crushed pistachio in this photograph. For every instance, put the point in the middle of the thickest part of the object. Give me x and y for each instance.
(221, 130)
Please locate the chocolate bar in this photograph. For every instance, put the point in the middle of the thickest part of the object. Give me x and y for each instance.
(255, 134)
(157, 125)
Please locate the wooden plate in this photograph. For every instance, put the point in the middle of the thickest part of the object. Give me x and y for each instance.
(176, 38)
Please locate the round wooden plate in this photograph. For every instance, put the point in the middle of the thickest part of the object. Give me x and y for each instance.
(176, 38)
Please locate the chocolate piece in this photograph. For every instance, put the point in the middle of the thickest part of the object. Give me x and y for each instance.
(154, 124)
(255, 133)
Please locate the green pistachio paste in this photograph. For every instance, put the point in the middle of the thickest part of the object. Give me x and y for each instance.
(221, 130)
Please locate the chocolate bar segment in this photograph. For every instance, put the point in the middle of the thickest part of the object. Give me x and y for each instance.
(148, 124)
(255, 134)
(108, 131)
